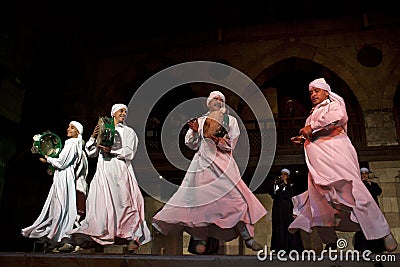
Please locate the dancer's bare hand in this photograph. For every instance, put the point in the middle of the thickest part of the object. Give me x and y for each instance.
(298, 140)
(106, 149)
(96, 131)
(214, 138)
(194, 125)
(306, 131)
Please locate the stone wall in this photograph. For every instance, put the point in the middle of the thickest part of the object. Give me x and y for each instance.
(387, 175)
(332, 44)
(380, 128)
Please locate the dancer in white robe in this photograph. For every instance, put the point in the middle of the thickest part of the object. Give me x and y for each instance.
(336, 198)
(212, 201)
(115, 205)
(59, 213)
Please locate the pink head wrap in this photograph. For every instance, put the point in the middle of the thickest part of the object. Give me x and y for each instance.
(322, 84)
(214, 94)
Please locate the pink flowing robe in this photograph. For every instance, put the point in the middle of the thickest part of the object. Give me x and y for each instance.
(115, 205)
(334, 179)
(212, 198)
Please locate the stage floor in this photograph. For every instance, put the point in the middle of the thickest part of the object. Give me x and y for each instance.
(16, 259)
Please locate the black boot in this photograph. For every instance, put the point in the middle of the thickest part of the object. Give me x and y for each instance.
(248, 239)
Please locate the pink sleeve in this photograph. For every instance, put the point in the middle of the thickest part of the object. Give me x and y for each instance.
(334, 114)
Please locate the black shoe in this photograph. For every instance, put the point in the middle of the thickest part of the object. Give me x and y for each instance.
(255, 246)
(390, 243)
(66, 248)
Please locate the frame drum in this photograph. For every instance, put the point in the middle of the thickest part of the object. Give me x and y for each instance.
(47, 144)
(106, 131)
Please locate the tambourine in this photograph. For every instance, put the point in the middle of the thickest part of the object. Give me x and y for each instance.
(47, 144)
(217, 123)
(106, 131)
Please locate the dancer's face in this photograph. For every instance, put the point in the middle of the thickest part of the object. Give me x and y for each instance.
(72, 132)
(216, 104)
(119, 116)
(317, 95)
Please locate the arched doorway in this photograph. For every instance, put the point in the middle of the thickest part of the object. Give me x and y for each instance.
(287, 80)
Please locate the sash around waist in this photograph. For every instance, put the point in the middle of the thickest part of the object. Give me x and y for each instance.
(328, 133)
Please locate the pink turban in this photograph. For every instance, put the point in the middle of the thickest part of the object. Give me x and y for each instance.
(320, 83)
(214, 94)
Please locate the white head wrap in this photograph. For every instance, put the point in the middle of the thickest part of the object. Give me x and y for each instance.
(77, 126)
(322, 84)
(117, 107)
(285, 170)
(214, 94)
(363, 169)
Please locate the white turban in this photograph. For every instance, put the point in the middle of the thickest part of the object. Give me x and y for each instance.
(214, 94)
(77, 126)
(117, 107)
(285, 170)
(363, 169)
(321, 84)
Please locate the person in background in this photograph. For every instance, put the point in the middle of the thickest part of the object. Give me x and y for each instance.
(282, 215)
(360, 242)
(292, 109)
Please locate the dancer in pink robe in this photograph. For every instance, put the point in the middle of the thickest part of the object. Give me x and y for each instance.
(115, 205)
(212, 201)
(336, 198)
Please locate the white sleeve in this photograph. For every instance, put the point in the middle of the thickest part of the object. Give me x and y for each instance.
(91, 149)
(128, 148)
(192, 139)
(335, 115)
(65, 158)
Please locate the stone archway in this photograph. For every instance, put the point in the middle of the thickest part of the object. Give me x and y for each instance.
(290, 78)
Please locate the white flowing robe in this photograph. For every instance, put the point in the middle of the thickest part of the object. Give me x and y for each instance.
(212, 198)
(334, 179)
(114, 205)
(59, 211)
